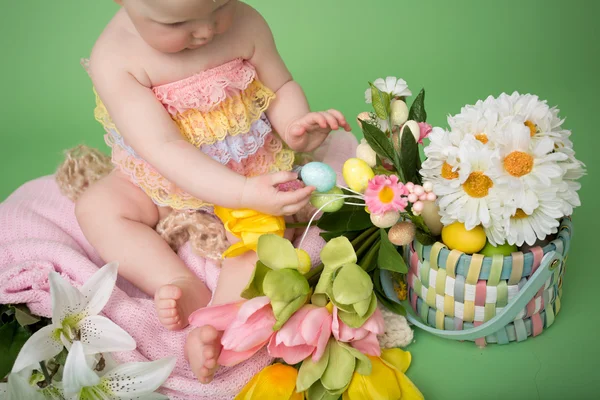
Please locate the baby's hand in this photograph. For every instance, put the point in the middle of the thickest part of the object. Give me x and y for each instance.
(260, 194)
(308, 132)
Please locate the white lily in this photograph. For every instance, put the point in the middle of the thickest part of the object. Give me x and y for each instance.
(23, 385)
(132, 380)
(75, 317)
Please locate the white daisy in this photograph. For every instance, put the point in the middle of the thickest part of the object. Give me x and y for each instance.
(471, 198)
(523, 227)
(525, 165)
(480, 120)
(394, 86)
(441, 163)
(541, 120)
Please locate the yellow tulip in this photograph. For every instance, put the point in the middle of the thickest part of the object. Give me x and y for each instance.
(275, 382)
(248, 226)
(387, 380)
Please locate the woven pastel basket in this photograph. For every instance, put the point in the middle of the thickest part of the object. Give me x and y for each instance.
(486, 299)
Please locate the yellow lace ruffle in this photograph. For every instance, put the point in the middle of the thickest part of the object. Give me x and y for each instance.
(233, 116)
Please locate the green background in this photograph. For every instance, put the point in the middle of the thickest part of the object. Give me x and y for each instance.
(459, 50)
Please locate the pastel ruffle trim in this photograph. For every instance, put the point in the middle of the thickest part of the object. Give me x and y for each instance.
(204, 90)
(233, 116)
(272, 157)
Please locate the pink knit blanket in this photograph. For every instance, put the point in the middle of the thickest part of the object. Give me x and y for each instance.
(39, 234)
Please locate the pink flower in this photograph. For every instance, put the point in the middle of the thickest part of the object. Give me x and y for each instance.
(305, 333)
(425, 129)
(363, 339)
(385, 193)
(247, 326)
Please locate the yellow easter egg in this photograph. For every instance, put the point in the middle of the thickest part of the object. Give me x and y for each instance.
(457, 237)
(304, 262)
(357, 174)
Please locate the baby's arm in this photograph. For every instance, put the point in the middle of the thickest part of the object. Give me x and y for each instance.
(147, 127)
(289, 113)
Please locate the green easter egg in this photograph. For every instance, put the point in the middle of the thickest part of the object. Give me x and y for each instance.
(318, 200)
(504, 249)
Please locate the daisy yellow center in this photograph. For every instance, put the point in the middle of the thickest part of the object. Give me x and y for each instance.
(386, 195)
(518, 163)
(482, 137)
(520, 214)
(532, 127)
(447, 172)
(477, 184)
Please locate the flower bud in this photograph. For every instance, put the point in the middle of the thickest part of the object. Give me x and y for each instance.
(363, 116)
(414, 129)
(366, 153)
(399, 112)
(385, 220)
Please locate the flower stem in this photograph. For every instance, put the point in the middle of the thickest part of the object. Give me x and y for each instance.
(47, 378)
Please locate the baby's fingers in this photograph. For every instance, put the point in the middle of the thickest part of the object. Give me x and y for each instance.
(340, 119)
(282, 177)
(295, 197)
(331, 120)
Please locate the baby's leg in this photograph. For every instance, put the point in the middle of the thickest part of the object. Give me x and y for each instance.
(118, 219)
(203, 344)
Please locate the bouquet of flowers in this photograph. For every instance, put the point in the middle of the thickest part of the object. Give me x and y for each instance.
(324, 334)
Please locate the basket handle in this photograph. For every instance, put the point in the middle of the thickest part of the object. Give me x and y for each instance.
(549, 263)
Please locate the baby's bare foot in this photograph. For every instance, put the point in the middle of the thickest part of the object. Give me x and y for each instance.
(176, 301)
(202, 349)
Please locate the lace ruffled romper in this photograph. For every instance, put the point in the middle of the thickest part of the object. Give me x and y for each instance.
(221, 111)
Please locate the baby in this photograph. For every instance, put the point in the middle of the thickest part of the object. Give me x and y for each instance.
(191, 125)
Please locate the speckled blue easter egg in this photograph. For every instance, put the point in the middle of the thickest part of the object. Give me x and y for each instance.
(319, 175)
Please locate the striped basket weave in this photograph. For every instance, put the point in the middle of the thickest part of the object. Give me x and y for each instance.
(489, 299)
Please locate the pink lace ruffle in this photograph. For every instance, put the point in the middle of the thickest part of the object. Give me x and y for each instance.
(205, 90)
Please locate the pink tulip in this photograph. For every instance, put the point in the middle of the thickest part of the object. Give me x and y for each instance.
(363, 339)
(305, 333)
(425, 129)
(219, 317)
(247, 326)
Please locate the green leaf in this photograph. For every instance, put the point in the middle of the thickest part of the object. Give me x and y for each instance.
(362, 307)
(284, 310)
(417, 110)
(61, 358)
(363, 364)
(24, 317)
(351, 285)
(352, 319)
(311, 371)
(389, 258)
(369, 261)
(340, 368)
(409, 157)
(425, 238)
(367, 243)
(255, 285)
(381, 102)
(276, 252)
(318, 392)
(338, 252)
(288, 291)
(12, 338)
(378, 140)
(353, 219)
